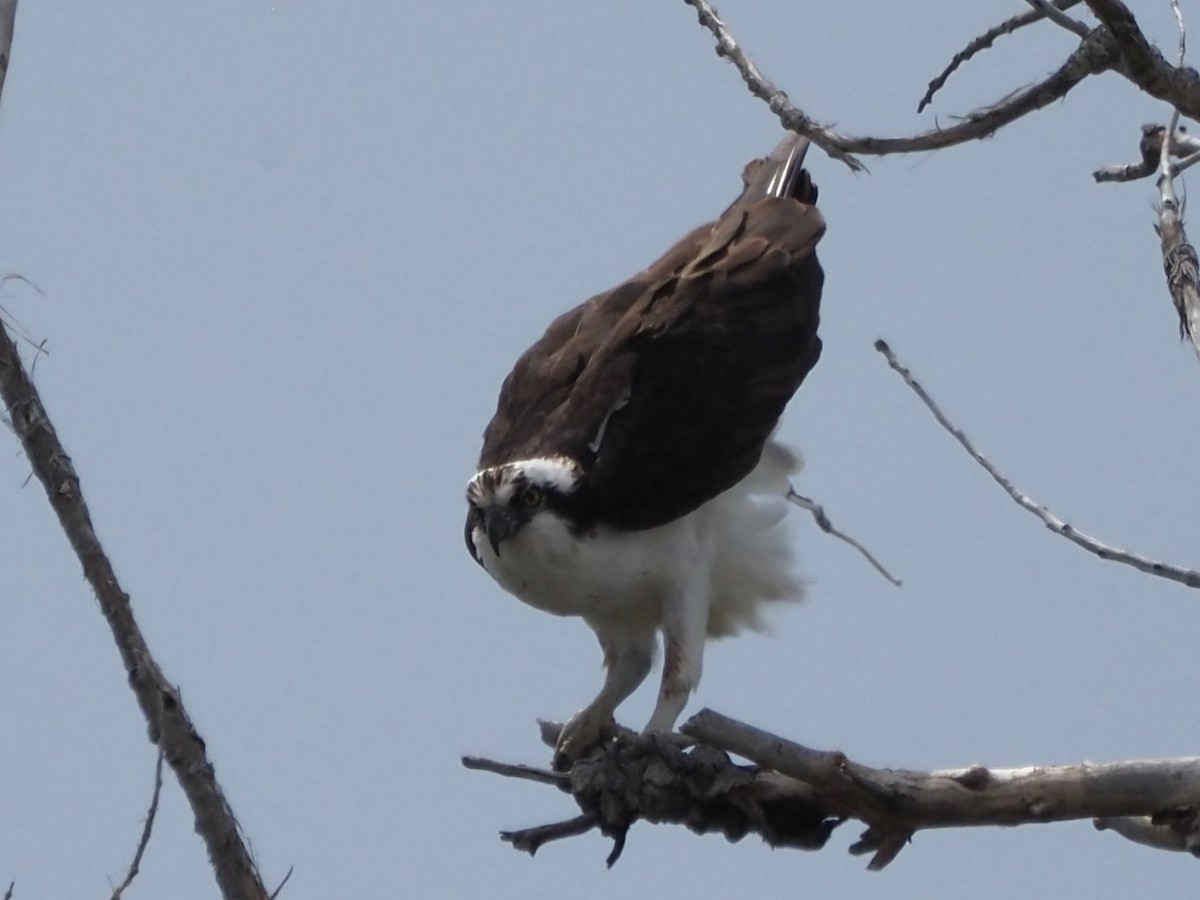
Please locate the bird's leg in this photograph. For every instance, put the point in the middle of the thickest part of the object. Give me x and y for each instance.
(627, 659)
(684, 627)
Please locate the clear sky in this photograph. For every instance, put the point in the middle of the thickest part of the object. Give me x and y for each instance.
(286, 253)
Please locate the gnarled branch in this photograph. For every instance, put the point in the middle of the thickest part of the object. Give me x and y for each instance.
(795, 796)
(1095, 54)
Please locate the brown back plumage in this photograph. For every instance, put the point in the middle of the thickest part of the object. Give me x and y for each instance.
(666, 387)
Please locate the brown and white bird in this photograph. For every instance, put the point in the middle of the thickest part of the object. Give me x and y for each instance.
(630, 476)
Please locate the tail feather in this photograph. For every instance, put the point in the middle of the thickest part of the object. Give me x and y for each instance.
(780, 174)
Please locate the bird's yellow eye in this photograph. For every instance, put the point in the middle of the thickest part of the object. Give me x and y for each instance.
(530, 498)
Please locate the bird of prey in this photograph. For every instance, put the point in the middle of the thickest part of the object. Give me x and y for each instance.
(630, 475)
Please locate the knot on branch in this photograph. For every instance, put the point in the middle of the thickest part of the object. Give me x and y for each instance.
(698, 787)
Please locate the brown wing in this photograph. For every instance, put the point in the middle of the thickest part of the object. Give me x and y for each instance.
(666, 388)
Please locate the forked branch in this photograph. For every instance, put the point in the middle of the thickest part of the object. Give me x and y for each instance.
(1117, 43)
(983, 42)
(1094, 54)
(795, 796)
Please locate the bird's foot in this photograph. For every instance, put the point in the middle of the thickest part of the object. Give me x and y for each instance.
(585, 731)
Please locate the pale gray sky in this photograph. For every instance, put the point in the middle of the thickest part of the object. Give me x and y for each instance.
(287, 252)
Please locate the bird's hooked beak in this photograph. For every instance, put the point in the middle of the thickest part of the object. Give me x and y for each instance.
(499, 523)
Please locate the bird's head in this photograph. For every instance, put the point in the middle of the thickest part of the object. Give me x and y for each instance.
(502, 500)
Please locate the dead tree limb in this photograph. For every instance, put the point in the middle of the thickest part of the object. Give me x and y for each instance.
(1094, 54)
(1142, 63)
(983, 42)
(1188, 577)
(895, 803)
(1150, 148)
(1117, 43)
(826, 525)
(794, 796)
(665, 779)
(170, 726)
(1179, 256)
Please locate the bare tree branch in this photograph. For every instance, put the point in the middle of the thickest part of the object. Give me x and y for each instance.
(1117, 44)
(1150, 149)
(1188, 577)
(898, 802)
(286, 878)
(526, 773)
(1095, 54)
(792, 118)
(1059, 18)
(147, 829)
(1142, 63)
(529, 840)
(1179, 256)
(823, 522)
(795, 796)
(666, 778)
(170, 727)
(9, 893)
(983, 42)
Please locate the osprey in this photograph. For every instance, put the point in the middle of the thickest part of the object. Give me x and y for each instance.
(630, 476)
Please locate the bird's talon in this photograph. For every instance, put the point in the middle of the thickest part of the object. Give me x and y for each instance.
(583, 733)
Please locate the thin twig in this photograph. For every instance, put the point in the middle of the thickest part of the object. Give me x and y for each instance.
(1059, 18)
(146, 830)
(1188, 577)
(1186, 163)
(761, 87)
(286, 878)
(824, 523)
(8, 894)
(508, 770)
(1095, 54)
(14, 325)
(529, 840)
(983, 42)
